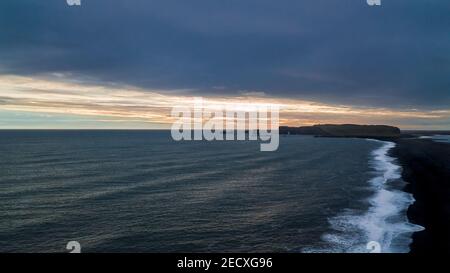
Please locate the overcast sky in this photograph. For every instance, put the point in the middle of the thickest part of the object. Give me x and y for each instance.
(340, 52)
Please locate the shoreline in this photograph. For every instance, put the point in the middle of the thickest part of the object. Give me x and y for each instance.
(390, 202)
(426, 170)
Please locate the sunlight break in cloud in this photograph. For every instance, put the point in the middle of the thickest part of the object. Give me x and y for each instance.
(130, 104)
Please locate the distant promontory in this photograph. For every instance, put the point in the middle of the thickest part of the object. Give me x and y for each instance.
(343, 130)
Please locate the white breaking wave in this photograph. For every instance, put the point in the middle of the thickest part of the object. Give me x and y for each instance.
(385, 222)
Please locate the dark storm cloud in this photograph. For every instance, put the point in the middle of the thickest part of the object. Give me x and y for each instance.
(341, 51)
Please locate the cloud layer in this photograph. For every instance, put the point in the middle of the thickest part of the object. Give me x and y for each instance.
(332, 51)
(130, 107)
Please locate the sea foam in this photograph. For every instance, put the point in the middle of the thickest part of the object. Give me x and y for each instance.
(385, 222)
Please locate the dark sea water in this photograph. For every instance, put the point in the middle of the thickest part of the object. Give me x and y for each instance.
(140, 191)
(441, 138)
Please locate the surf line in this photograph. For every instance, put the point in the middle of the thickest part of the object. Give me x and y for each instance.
(384, 226)
(387, 202)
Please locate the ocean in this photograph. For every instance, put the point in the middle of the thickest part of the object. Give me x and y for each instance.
(441, 138)
(140, 191)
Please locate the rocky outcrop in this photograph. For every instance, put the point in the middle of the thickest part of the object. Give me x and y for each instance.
(343, 130)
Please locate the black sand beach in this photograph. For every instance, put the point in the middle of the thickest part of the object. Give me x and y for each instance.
(426, 168)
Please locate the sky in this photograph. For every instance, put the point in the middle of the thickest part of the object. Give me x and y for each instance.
(125, 64)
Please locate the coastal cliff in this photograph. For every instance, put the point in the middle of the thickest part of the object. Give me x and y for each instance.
(343, 130)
